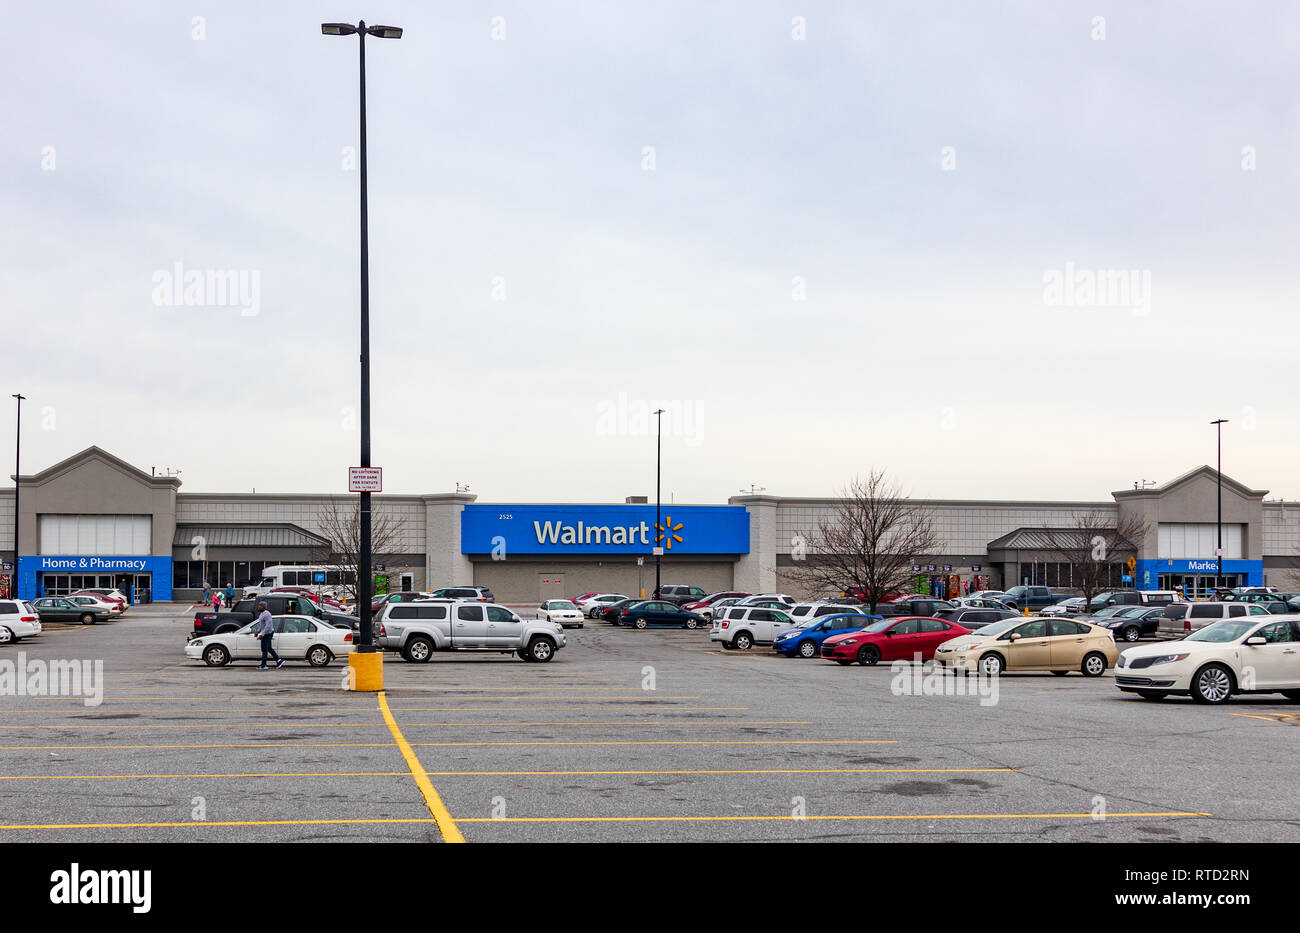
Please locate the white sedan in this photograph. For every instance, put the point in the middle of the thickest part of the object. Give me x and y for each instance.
(112, 608)
(594, 604)
(563, 611)
(297, 638)
(1243, 655)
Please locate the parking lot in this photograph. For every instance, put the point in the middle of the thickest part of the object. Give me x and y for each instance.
(627, 735)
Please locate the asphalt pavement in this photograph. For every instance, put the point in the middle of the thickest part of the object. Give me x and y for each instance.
(627, 735)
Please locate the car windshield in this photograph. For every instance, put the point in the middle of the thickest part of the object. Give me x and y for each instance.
(1225, 631)
(879, 626)
(1130, 611)
(560, 604)
(1107, 612)
(997, 628)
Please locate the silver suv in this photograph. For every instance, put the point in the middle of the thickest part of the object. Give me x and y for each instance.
(1185, 618)
(742, 627)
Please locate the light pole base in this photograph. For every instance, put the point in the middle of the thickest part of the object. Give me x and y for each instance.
(366, 672)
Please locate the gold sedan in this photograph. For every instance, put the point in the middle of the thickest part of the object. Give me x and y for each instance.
(1034, 644)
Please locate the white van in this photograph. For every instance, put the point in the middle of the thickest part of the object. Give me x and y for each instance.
(278, 575)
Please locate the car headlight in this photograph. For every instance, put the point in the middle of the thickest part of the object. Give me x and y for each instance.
(849, 641)
(1168, 658)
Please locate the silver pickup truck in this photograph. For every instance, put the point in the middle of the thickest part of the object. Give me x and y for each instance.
(418, 629)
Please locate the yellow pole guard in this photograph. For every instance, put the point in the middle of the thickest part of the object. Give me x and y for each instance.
(366, 671)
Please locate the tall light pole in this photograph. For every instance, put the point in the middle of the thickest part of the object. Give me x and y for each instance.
(659, 440)
(365, 583)
(1219, 550)
(18, 460)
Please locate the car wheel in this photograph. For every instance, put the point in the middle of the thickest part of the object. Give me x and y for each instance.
(418, 650)
(216, 656)
(991, 665)
(869, 655)
(1132, 633)
(541, 650)
(1152, 694)
(319, 656)
(1094, 664)
(1060, 673)
(87, 619)
(808, 649)
(641, 622)
(1212, 684)
(743, 641)
(12, 637)
(690, 623)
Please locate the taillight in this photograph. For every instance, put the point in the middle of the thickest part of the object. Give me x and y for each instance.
(347, 637)
(1187, 625)
(198, 624)
(725, 624)
(622, 612)
(382, 630)
(27, 619)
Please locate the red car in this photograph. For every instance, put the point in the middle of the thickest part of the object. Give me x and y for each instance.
(310, 594)
(711, 599)
(897, 639)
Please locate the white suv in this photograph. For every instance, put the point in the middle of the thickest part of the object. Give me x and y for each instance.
(18, 620)
(743, 627)
(804, 612)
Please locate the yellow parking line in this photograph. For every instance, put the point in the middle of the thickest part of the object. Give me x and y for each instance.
(597, 819)
(15, 748)
(446, 825)
(1267, 717)
(279, 724)
(320, 774)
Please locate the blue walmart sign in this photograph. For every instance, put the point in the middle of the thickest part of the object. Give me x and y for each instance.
(604, 529)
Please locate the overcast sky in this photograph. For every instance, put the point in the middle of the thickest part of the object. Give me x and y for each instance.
(823, 236)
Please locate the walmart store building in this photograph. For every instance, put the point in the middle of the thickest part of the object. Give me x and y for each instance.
(96, 520)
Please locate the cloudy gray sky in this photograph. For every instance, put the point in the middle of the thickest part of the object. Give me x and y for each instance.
(871, 245)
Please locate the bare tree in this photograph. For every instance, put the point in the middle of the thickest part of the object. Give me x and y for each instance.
(869, 542)
(340, 524)
(1092, 544)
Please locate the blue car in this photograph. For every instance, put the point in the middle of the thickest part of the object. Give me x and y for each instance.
(806, 640)
(659, 612)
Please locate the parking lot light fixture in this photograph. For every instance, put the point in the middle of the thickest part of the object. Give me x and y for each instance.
(365, 581)
(1219, 477)
(18, 459)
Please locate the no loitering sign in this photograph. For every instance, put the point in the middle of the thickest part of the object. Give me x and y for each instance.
(365, 479)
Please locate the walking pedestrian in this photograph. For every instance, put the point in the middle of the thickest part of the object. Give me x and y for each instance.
(230, 595)
(265, 632)
(207, 593)
(216, 602)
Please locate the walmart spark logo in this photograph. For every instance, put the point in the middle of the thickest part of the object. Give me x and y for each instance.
(667, 533)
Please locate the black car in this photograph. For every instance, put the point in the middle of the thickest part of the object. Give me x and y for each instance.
(244, 611)
(1132, 623)
(680, 594)
(610, 612)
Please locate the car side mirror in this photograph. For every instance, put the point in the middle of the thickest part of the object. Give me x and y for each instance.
(1257, 640)
(1014, 636)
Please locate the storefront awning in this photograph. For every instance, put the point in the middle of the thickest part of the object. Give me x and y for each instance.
(270, 534)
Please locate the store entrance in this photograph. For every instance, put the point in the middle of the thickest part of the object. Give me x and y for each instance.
(137, 587)
(1199, 586)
